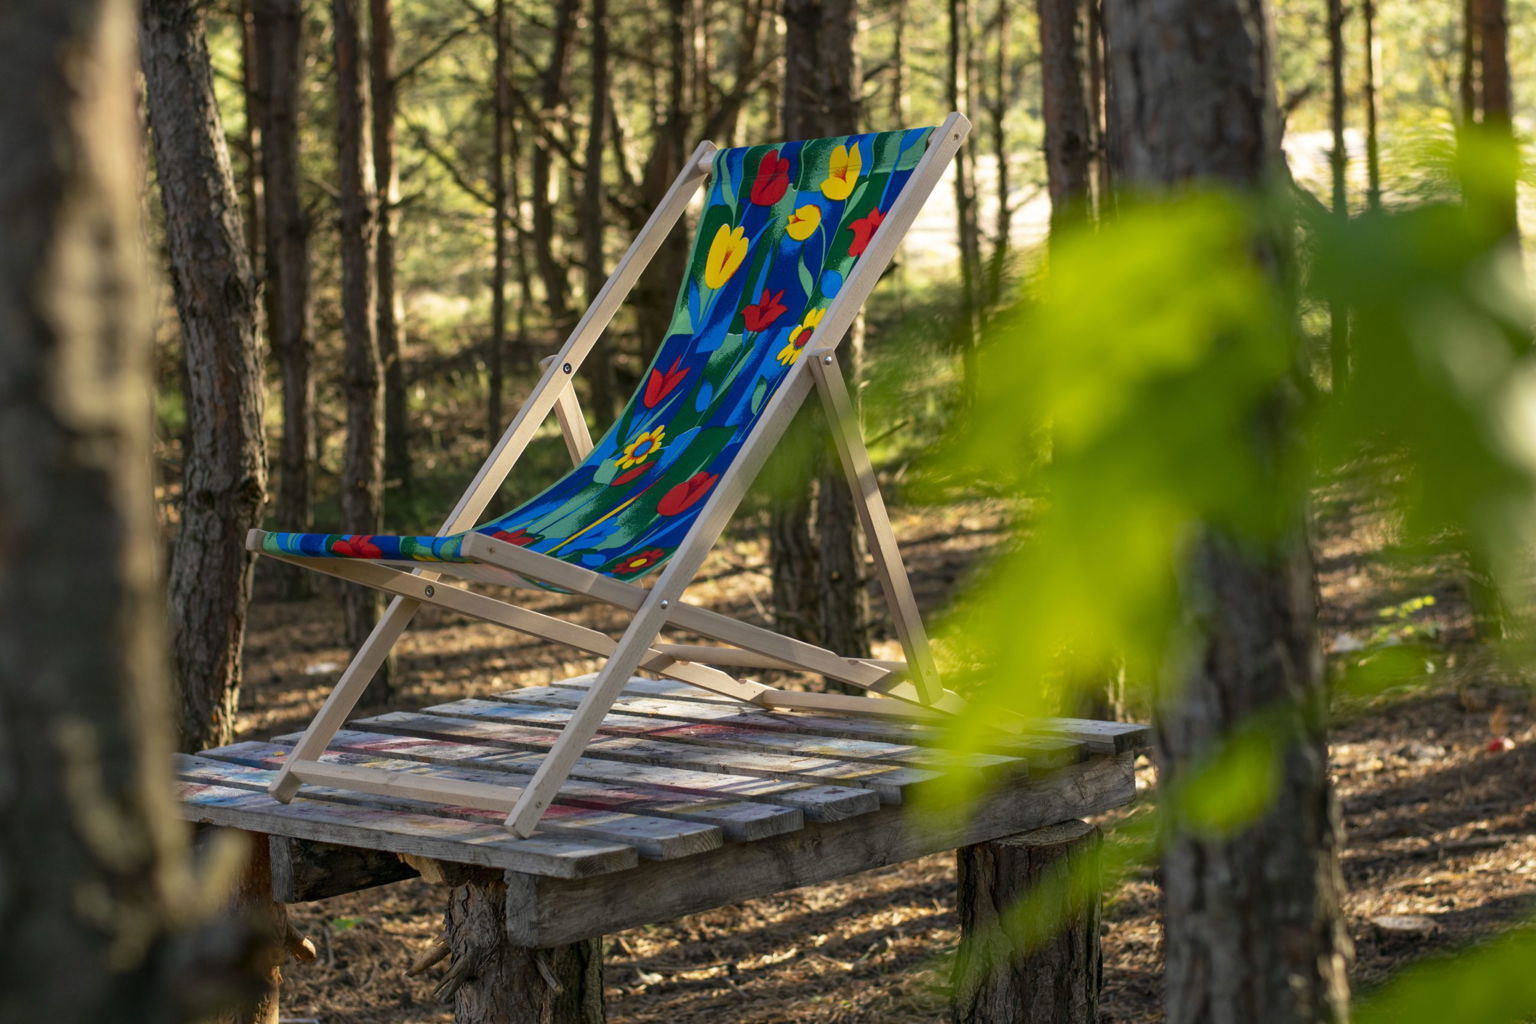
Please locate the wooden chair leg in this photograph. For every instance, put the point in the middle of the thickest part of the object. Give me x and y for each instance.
(492, 981)
(1002, 973)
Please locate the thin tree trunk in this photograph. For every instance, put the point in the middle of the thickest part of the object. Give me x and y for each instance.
(362, 474)
(1372, 140)
(278, 30)
(251, 135)
(1338, 318)
(1493, 18)
(604, 388)
(224, 474)
(1066, 91)
(92, 858)
(381, 79)
(500, 114)
(967, 324)
(1470, 58)
(552, 95)
(1253, 928)
(1001, 100)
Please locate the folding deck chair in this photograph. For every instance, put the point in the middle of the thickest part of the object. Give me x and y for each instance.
(791, 240)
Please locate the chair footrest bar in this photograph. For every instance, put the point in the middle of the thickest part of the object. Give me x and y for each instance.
(405, 785)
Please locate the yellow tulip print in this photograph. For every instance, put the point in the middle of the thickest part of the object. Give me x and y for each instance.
(803, 222)
(842, 172)
(726, 253)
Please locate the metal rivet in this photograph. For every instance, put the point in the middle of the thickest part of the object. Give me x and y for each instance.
(826, 360)
(566, 368)
(665, 604)
(430, 590)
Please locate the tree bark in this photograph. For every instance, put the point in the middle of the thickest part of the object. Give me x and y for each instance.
(278, 29)
(381, 80)
(92, 858)
(1468, 92)
(1252, 920)
(494, 982)
(1001, 975)
(362, 475)
(224, 473)
(1067, 102)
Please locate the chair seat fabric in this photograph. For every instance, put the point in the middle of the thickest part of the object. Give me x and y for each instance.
(781, 229)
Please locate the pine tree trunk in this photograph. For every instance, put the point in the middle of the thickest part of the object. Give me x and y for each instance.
(552, 95)
(1372, 140)
(604, 386)
(362, 474)
(968, 322)
(819, 588)
(496, 358)
(381, 79)
(224, 473)
(1002, 92)
(1066, 92)
(278, 30)
(1253, 929)
(1467, 92)
(1493, 31)
(92, 858)
(250, 181)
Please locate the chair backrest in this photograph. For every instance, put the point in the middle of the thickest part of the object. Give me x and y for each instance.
(781, 227)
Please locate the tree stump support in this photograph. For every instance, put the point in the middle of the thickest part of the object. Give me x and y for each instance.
(1001, 976)
(493, 981)
(272, 938)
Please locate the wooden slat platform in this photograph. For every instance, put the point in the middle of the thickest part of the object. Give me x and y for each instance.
(683, 800)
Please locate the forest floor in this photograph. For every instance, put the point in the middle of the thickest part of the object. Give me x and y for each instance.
(1440, 827)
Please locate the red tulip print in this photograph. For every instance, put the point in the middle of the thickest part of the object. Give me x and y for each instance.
(767, 309)
(772, 180)
(522, 538)
(686, 494)
(659, 385)
(356, 547)
(863, 230)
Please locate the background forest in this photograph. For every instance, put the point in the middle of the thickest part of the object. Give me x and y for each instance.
(1172, 431)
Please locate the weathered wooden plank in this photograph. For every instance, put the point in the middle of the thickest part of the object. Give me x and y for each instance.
(449, 839)
(303, 870)
(543, 911)
(1036, 749)
(815, 802)
(656, 838)
(1098, 737)
(888, 781)
(737, 819)
(729, 733)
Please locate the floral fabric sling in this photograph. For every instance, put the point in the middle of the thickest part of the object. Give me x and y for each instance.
(781, 228)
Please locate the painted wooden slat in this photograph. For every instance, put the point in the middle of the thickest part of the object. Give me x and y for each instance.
(727, 733)
(736, 819)
(816, 802)
(448, 839)
(1096, 736)
(888, 781)
(655, 838)
(1036, 749)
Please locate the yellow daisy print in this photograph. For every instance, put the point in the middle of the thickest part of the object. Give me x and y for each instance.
(643, 447)
(799, 336)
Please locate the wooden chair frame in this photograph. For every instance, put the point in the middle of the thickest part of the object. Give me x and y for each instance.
(905, 688)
